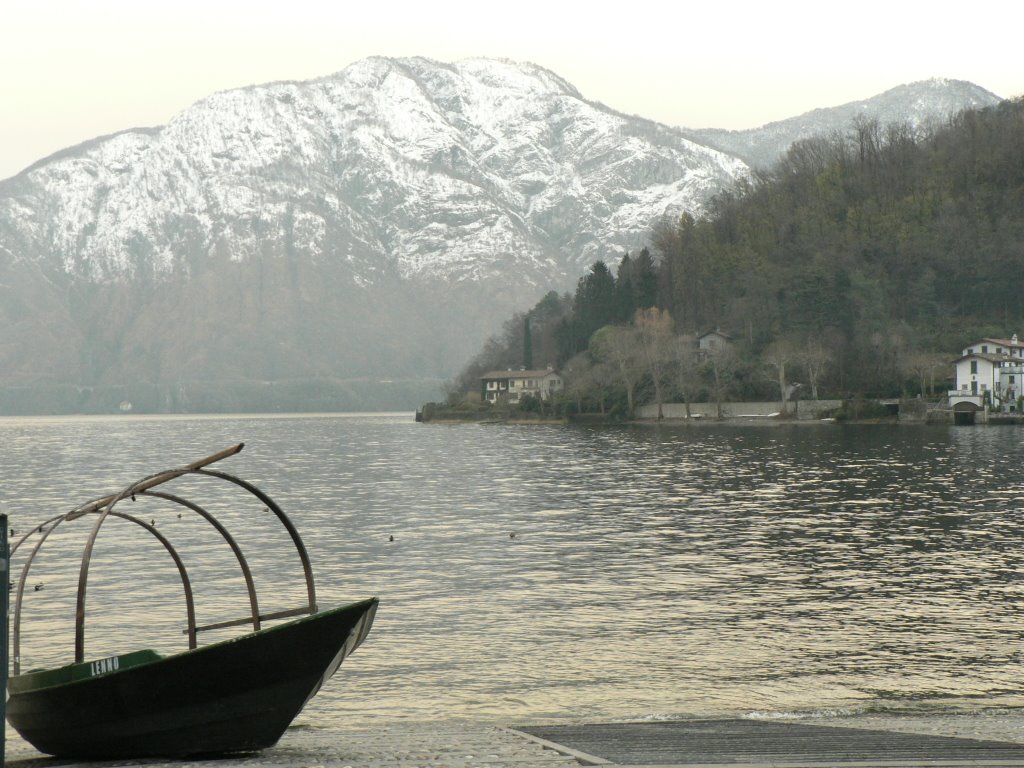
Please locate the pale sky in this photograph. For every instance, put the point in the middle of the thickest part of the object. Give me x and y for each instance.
(72, 70)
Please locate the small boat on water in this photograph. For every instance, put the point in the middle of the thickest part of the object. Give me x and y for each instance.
(236, 695)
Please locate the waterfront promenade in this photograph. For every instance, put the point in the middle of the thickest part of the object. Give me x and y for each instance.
(387, 746)
(951, 741)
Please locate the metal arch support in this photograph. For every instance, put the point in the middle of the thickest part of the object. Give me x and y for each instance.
(307, 568)
(104, 506)
(57, 520)
(16, 629)
(83, 574)
(153, 480)
(189, 600)
(79, 626)
(242, 562)
(190, 606)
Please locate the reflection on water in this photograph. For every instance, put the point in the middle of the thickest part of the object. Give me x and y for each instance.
(561, 573)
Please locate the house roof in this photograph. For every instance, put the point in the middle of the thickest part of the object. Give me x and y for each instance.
(537, 373)
(1013, 343)
(992, 357)
(715, 332)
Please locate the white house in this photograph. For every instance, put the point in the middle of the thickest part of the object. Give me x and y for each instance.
(989, 373)
(512, 385)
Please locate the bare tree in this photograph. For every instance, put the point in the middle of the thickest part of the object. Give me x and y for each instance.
(923, 366)
(721, 363)
(578, 378)
(618, 345)
(780, 356)
(589, 379)
(654, 335)
(603, 375)
(814, 356)
(684, 350)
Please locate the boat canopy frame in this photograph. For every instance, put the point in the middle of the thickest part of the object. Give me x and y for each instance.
(103, 508)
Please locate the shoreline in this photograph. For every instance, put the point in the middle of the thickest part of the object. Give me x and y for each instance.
(728, 421)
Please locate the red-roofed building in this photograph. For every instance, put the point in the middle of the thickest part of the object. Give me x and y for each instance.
(989, 372)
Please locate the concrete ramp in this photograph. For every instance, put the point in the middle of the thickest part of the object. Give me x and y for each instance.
(767, 743)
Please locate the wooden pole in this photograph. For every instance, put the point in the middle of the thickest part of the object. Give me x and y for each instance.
(5, 578)
(153, 481)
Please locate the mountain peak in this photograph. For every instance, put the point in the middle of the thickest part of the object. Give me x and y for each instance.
(379, 221)
(446, 170)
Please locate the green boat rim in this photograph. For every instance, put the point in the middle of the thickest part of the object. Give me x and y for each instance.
(89, 670)
(86, 670)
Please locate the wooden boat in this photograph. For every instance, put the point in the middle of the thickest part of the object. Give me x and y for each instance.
(237, 695)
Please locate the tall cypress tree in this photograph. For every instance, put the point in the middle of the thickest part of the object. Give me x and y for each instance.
(645, 281)
(527, 344)
(624, 289)
(596, 303)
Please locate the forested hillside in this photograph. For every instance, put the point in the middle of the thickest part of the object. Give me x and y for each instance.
(863, 260)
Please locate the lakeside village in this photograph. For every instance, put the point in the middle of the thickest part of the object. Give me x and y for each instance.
(987, 389)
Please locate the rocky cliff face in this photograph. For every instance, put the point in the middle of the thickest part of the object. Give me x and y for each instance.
(371, 225)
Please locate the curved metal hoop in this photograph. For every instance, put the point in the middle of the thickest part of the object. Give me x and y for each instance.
(104, 507)
(307, 568)
(242, 562)
(45, 529)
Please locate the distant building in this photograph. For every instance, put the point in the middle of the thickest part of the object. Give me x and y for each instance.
(512, 385)
(989, 373)
(713, 340)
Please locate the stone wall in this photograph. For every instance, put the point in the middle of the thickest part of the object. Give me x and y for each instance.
(806, 409)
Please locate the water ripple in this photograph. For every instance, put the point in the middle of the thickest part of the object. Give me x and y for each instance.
(561, 573)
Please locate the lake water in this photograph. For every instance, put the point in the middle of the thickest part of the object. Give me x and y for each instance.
(550, 573)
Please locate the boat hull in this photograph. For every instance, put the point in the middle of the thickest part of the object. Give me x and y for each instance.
(235, 696)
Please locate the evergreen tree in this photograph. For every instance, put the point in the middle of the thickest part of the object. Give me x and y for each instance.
(527, 344)
(875, 243)
(636, 285)
(644, 280)
(595, 304)
(624, 289)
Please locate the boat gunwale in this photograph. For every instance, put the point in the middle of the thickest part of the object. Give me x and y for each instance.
(19, 685)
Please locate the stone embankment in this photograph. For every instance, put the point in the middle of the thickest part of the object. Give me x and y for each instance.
(801, 410)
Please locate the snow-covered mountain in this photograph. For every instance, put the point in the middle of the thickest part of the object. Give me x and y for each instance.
(917, 104)
(412, 166)
(375, 224)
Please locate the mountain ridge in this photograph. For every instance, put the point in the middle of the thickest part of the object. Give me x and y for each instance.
(379, 221)
(462, 165)
(761, 146)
